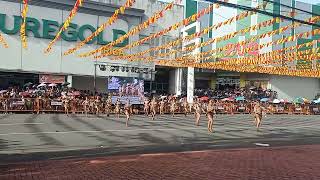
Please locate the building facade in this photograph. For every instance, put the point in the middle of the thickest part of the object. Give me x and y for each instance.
(287, 87)
(19, 65)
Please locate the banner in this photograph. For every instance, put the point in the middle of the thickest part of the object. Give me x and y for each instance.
(47, 78)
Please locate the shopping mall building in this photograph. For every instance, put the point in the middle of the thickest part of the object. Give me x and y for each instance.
(287, 87)
(19, 65)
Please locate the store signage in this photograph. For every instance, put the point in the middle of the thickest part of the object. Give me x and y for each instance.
(223, 81)
(47, 29)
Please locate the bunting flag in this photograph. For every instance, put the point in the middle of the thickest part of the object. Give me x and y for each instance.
(242, 43)
(195, 35)
(153, 19)
(165, 31)
(3, 41)
(253, 68)
(109, 22)
(23, 24)
(255, 38)
(65, 24)
(265, 58)
(228, 36)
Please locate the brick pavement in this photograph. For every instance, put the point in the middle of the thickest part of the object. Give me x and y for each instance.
(292, 162)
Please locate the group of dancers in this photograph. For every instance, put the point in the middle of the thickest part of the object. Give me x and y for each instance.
(198, 107)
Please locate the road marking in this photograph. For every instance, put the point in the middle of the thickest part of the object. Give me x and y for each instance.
(109, 130)
(262, 144)
(14, 124)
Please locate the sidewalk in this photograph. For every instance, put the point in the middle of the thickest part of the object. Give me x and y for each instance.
(292, 162)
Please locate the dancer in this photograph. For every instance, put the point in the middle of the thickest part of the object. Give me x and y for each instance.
(153, 107)
(197, 111)
(66, 105)
(118, 108)
(108, 106)
(85, 105)
(146, 106)
(162, 105)
(185, 106)
(97, 104)
(127, 107)
(257, 115)
(173, 106)
(210, 113)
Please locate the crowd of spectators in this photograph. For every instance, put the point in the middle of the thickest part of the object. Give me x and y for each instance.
(249, 93)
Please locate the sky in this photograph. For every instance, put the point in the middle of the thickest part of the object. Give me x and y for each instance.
(306, 1)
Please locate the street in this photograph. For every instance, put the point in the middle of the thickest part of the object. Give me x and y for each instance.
(57, 136)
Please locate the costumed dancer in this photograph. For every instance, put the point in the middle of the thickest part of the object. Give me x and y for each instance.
(127, 107)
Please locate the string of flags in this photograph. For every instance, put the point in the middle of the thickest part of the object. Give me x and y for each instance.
(109, 22)
(66, 24)
(3, 41)
(23, 24)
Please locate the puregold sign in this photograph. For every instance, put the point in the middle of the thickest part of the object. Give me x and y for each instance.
(47, 29)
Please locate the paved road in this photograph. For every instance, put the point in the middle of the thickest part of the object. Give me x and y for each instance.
(78, 135)
(276, 163)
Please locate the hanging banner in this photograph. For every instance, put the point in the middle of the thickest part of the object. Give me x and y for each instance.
(48, 78)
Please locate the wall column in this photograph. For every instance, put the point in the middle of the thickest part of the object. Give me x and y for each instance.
(178, 81)
(69, 80)
(242, 80)
(190, 84)
(213, 82)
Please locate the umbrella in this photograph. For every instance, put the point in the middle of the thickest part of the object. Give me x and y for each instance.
(317, 101)
(28, 84)
(276, 101)
(163, 97)
(42, 85)
(228, 99)
(284, 101)
(26, 93)
(204, 98)
(3, 91)
(240, 98)
(52, 85)
(301, 100)
(264, 100)
(76, 93)
(65, 84)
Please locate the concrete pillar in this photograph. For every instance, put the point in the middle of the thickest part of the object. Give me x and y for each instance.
(69, 80)
(242, 80)
(196, 41)
(190, 84)
(213, 82)
(178, 81)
